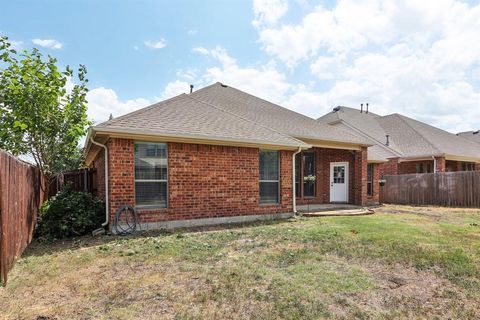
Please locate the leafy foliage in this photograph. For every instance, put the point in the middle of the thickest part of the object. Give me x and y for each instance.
(40, 115)
(69, 213)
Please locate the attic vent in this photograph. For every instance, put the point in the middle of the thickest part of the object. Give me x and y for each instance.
(387, 143)
(224, 85)
(336, 109)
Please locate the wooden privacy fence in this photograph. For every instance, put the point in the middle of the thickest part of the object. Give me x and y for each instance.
(84, 179)
(20, 200)
(453, 189)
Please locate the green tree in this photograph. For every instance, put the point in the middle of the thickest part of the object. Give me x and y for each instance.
(39, 117)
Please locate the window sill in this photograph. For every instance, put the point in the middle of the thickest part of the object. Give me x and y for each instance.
(269, 204)
(150, 207)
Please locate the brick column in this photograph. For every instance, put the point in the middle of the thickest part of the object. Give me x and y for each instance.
(440, 164)
(477, 166)
(121, 173)
(389, 168)
(360, 177)
(375, 199)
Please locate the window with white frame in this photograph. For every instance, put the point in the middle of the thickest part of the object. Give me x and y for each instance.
(151, 171)
(269, 176)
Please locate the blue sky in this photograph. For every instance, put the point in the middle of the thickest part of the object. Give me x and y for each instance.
(419, 58)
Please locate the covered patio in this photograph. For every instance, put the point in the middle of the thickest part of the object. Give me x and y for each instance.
(331, 176)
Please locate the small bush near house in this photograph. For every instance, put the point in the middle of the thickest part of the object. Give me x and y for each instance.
(69, 213)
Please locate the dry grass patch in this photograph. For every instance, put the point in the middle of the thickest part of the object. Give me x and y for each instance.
(402, 262)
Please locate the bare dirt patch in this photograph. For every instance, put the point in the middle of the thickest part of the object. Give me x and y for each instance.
(409, 293)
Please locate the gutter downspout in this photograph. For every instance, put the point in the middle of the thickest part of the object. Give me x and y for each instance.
(293, 180)
(106, 179)
(434, 164)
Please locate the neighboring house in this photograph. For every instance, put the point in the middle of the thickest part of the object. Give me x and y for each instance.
(404, 145)
(471, 135)
(221, 155)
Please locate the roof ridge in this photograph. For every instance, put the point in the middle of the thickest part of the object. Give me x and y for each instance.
(245, 119)
(373, 139)
(141, 110)
(259, 98)
(408, 124)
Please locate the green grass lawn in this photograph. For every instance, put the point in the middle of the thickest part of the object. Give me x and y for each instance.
(401, 262)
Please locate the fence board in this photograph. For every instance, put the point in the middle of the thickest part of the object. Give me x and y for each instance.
(454, 189)
(20, 199)
(81, 180)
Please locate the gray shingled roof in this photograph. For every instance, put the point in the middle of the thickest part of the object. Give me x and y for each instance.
(274, 116)
(416, 138)
(185, 116)
(222, 112)
(366, 123)
(471, 135)
(408, 137)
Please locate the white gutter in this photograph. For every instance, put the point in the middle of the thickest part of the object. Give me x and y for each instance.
(293, 180)
(106, 179)
(434, 164)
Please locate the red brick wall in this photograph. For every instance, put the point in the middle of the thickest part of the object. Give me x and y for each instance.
(389, 168)
(360, 177)
(392, 167)
(121, 171)
(375, 199)
(440, 163)
(411, 166)
(357, 164)
(204, 181)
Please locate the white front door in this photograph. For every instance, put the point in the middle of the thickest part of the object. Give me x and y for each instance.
(339, 182)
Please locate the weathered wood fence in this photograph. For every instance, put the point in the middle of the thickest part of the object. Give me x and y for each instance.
(453, 189)
(84, 179)
(20, 200)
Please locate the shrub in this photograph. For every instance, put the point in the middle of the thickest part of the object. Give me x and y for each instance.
(69, 213)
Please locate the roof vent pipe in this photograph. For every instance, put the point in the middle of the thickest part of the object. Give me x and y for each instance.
(361, 107)
(387, 143)
(367, 108)
(191, 88)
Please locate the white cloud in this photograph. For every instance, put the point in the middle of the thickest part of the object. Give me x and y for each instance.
(419, 58)
(48, 43)
(103, 101)
(192, 32)
(325, 67)
(156, 44)
(201, 50)
(268, 12)
(264, 81)
(175, 88)
(136, 48)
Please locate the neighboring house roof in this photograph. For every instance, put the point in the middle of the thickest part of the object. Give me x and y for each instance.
(470, 135)
(408, 138)
(367, 125)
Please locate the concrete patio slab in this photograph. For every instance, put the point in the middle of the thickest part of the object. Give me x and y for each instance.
(319, 210)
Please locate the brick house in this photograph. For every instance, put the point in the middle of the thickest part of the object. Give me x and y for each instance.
(221, 155)
(404, 145)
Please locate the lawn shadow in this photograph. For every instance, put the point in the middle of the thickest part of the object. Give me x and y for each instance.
(37, 248)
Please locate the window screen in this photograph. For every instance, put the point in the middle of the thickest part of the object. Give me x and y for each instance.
(151, 174)
(308, 170)
(269, 176)
(298, 164)
(370, 179)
